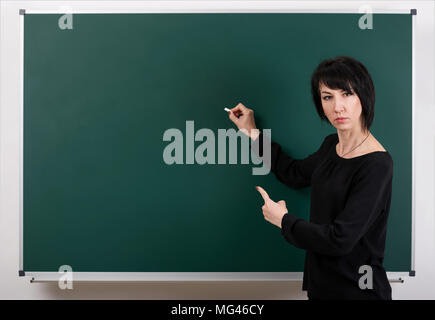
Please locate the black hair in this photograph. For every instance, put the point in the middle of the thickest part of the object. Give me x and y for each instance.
(347, 74)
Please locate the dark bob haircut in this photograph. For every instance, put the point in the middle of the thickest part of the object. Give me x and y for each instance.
(349, 75)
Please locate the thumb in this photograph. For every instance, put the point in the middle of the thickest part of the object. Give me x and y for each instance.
(282, 203)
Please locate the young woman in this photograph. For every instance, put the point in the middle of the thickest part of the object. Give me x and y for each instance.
(351, 185)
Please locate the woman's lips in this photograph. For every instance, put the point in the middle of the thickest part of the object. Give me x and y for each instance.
(341, 119)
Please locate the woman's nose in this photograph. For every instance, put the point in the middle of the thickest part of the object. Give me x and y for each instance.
(339, 105)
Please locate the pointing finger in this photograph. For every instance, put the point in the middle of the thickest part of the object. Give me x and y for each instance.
(263, 193)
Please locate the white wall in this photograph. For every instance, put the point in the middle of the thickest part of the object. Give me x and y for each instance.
(12, 287)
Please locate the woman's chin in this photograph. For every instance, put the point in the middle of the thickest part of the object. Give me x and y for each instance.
(343, 126)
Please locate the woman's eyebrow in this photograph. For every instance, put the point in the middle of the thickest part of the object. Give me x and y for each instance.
(340, 90)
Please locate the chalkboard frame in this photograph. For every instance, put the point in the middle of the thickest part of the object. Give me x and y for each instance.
(193, 276)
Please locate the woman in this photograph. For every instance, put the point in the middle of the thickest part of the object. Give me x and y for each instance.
(351, 185)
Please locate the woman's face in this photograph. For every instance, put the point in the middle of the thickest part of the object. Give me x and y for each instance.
(343, 109)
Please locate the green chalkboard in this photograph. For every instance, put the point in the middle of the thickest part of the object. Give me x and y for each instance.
(97, 194)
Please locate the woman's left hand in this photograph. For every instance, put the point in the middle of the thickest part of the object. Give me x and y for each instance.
(272, 211)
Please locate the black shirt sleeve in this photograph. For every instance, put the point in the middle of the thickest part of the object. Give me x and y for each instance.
(366, 201)
(295, 173)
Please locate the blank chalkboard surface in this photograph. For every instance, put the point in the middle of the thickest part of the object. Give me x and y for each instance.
(98, 98)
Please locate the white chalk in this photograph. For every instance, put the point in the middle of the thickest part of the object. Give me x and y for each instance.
(227, 110)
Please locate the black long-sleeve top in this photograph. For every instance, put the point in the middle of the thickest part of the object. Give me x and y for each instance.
(350, 203)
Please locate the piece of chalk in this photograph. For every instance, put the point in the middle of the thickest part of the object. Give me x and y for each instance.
(227, 110)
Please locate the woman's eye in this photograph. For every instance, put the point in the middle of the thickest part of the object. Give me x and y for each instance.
(326, 98)
(348, 93)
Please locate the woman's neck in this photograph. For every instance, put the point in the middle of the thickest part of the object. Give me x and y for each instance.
(349, 139)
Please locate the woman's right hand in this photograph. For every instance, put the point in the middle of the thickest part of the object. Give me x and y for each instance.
(243, 118)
